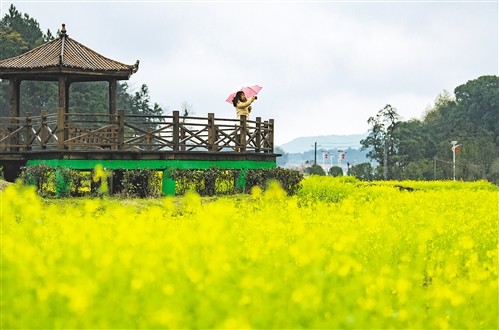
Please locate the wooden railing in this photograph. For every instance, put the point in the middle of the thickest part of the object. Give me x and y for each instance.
(78, 131)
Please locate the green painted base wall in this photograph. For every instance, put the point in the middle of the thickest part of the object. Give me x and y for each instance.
(86, 164)
(168, 185)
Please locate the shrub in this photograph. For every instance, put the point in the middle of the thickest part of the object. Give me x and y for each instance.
(54, 181)
(141, 183)
(335, 171)
(37, 176)
(288, 179)
(315, 169)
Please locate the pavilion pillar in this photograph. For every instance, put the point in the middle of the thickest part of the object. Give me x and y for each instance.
(15, 110)
(14, 97)
(112, 96)
(112, 114)
(62, 111)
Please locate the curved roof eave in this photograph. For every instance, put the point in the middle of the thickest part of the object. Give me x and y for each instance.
(64, 56)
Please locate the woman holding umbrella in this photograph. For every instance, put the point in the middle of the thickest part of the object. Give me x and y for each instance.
(242, 104)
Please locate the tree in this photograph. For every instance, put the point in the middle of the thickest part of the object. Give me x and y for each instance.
(411, 145)
(436, 123)
(421, 149)
(472, 119)
(140, 103)
(363, 171)
(381, 140)
(479, 101)
(494, 172)
(12, 43)
(422, 169)
(481, 152)
(335, 171)
(20, 33)
(37, 96)
(186, 109)
(315, 169)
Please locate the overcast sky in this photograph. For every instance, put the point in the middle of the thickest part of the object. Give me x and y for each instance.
(325, 66)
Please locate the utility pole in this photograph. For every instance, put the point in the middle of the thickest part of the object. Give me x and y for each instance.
(315, 153)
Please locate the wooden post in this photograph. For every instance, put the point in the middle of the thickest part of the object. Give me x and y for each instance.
(61, 116)
(176, 126)
(271, 135)
(112, 96)
(242, 133)
(258, 142)
(121, 129)
(61, 113)
(29, 132)
(43, 130)
(14, 98)
(149, 138)
(66, 96)
(212, 132)
(182, 141)
(112, 111)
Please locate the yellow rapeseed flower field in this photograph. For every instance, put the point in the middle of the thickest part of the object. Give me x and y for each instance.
(340, 254)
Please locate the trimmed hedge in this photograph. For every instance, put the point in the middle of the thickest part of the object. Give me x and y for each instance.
(64, 182)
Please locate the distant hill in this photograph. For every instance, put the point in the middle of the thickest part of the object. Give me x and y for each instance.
(303, 144)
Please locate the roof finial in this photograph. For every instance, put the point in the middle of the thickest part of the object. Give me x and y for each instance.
(63, 30)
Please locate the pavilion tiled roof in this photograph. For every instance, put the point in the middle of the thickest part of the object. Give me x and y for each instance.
(65, 54)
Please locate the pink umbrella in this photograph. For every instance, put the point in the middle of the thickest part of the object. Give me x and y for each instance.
(249, 91)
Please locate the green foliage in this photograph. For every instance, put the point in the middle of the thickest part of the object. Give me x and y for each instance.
(288, 179)
(38, 96)
(315, 170)
(65, 182)
(79, 183)
(141, 183)
(54, 181)
(381, 141)
(335, 171)
(419, 170)
(20, 33)
(471, 118)
(363, 171)
(37, 176)
(89, 97)
(216, 181)
(479, 101)
(63, 178)
(12, 43)
(208, 182)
